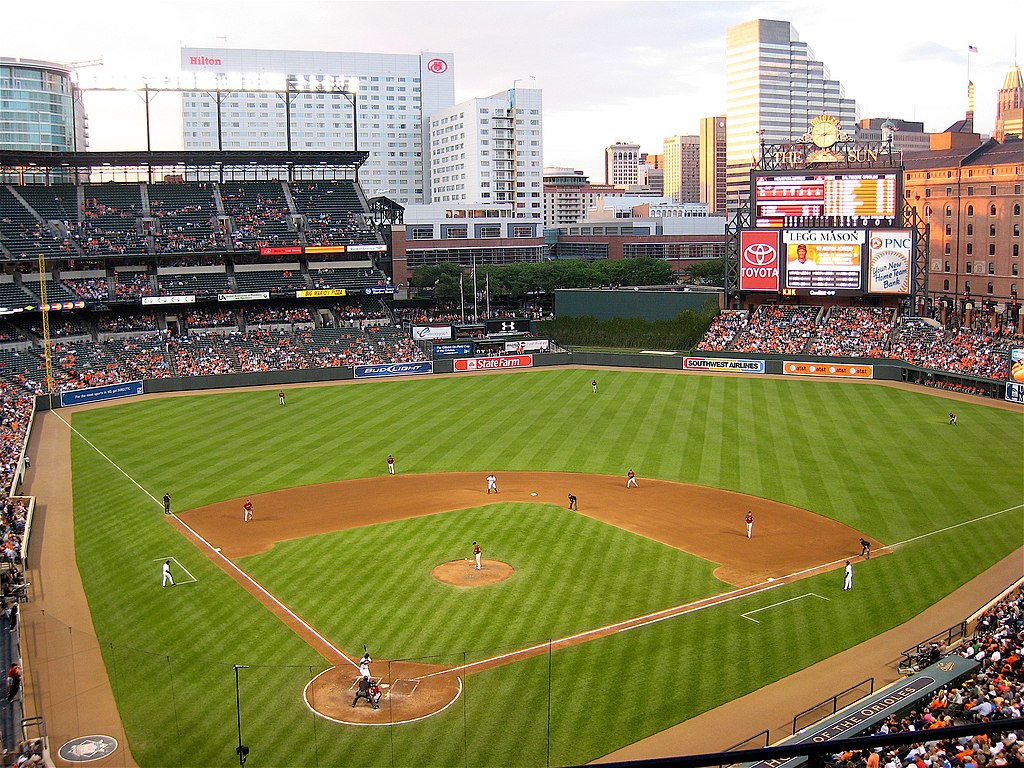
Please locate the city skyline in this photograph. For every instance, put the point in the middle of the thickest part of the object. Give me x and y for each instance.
(635, 72)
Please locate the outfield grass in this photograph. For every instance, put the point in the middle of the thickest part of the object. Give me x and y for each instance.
(881, 460)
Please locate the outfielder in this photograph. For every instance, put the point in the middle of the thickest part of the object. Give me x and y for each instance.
(280, 397)
(247, 511)
(492, 483)
(593, 385)
(476, 554)
(631, 479)
(750, 523)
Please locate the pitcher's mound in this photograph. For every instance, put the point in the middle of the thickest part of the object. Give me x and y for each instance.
(463, 573)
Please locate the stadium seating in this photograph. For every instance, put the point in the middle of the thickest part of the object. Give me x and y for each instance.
(776, 330)
(333, 213)
(336, 347)
(270, 350)
(854, 332)
(722, 331)
(202, 354)
(12, 295)
(94, 288)
(132, 283)
(260, 214)
(198, 283)
(348, 278)
(23, 236)
(273, 280)
(187, 216)
(111, 220)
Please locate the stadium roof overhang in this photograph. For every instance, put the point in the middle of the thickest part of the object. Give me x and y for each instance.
(87, 161)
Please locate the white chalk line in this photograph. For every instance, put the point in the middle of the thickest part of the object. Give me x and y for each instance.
(216, 551)
(194, 580)
(101, 453)
(776, 605)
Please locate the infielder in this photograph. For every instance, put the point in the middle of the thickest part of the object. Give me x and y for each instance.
(750, 523)
(572, 502)
(848, 581)
(492, 483)
(391, 464)
(364, 666)
(865, 549)
(167, 503)
(165, 574)
(631, 479)
(247, 511)
(476, 554)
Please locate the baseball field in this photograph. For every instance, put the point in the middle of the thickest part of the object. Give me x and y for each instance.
(614, 601)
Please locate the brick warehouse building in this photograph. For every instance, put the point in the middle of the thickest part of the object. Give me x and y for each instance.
(971, 199)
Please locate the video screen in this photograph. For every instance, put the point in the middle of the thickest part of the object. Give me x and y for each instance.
(823, 259)
(841, 197)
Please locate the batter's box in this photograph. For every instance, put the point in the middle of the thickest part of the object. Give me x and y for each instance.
(403, 688)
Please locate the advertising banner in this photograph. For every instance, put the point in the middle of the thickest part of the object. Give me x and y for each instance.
(392, 369)
(428, 332)
(284, 250)
(528, 345)
(759, 261)
(325, 249)
(168, 300)
(494, 363)
(1017, 365)
(509, 325)
(829, 369)
(374, 248)
(889, 257)
(723, 364)
(453, 350)
(376, 289)
(1015, 392)
(319, 293)
(95, 394)
(823, 258)
(255, 296)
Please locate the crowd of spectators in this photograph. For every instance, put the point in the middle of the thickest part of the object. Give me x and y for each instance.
(201, 318)
(995, 692)
(129, 284)
(267, 350)
(777, 330)
(202, 354)
(141, 357)
(259, 316)
(89, 287)
(970, 352)
(15, 410)
(854, 332)
(722, 331)
(126, 323)
(358, 315)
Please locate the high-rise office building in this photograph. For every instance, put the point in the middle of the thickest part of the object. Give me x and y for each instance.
(682, 168)
(490, 150)
(775, 86)
(1010, 107)
(712, 163)
(384, 97)
(40, 107)
(569, 195)
(622, 164)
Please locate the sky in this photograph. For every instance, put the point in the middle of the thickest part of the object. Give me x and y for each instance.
(610, 71)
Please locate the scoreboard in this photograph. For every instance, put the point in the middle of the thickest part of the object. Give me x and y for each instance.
(835, 198)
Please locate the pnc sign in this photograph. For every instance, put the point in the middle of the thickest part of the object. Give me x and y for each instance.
(437, 66)
(759, 261)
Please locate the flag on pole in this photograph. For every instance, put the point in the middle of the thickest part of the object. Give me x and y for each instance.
(971, 49)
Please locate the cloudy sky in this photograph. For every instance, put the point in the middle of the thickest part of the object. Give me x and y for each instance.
(610, 71)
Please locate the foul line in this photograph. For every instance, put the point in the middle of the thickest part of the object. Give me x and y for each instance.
(259, 587)
(776, 605)
(101, 453)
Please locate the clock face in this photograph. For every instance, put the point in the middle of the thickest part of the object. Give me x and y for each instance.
(824, 134)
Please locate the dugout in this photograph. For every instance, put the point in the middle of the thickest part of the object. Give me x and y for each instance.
(656, 303)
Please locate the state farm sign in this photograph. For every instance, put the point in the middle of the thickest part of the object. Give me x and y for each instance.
(494, 363)
(759, 261)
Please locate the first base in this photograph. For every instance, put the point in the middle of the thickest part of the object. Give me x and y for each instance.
(534, 493)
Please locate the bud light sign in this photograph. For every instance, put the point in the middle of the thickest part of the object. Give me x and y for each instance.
(759, 261)
(392, 369)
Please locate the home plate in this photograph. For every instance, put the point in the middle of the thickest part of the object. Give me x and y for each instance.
(534, 493)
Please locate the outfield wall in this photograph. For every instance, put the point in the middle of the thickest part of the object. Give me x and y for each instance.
(803, 366)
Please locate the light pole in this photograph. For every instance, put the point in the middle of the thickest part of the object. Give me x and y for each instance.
(241, 750)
